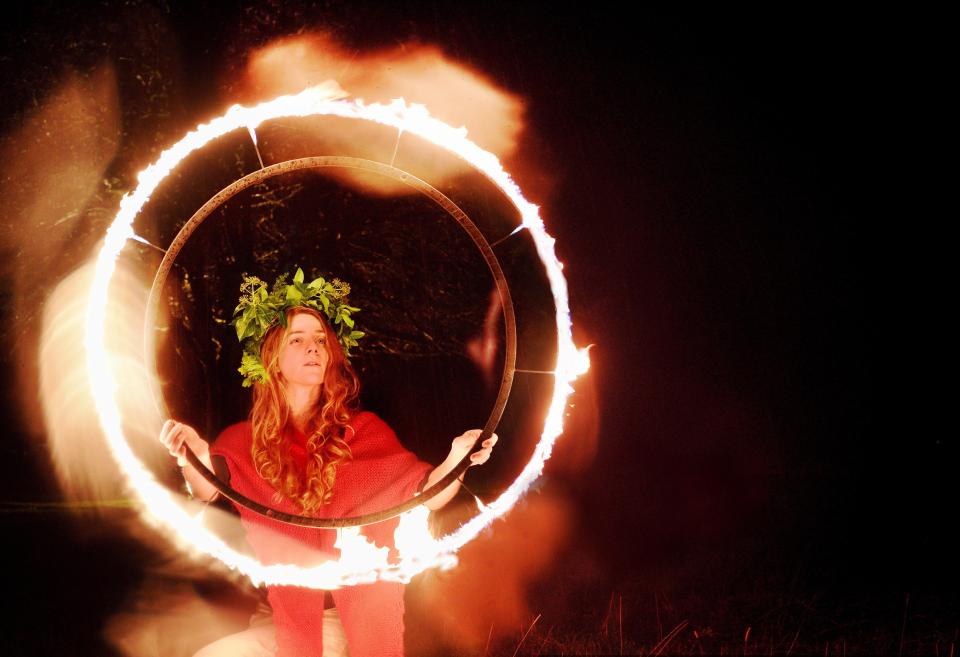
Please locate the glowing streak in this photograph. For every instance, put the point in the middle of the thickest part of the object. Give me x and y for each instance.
(419, 552)
(253, 136)
(142, 241)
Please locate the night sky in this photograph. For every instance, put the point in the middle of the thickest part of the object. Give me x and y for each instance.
(706, 177)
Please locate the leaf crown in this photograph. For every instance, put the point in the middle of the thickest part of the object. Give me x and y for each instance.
(259, 310)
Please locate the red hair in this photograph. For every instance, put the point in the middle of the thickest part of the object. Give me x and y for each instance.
(326, 424)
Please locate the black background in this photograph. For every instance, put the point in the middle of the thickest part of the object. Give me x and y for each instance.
(710, 180)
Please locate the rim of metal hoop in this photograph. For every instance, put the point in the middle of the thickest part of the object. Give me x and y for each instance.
(503, 291)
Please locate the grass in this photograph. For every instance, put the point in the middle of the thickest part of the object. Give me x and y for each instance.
(632, 621)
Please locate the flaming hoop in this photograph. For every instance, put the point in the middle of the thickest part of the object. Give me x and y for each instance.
(503, 290)
(360, 560)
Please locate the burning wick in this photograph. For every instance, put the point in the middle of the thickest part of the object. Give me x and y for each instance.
(253, 136)
(480, 504)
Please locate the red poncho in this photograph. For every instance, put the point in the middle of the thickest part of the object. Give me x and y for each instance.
(380, 474)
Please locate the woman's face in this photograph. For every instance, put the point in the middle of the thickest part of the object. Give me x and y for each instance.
(303, 353)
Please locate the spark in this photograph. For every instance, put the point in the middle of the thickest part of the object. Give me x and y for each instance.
(180, 517)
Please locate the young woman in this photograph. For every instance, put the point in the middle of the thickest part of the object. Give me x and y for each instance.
(307, 449)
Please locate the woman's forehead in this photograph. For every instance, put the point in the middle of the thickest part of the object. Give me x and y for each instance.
(305, 322)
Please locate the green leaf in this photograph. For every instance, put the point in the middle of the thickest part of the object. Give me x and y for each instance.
(326, 303)
(293, 294)
(348, 320)
(298, 277)
(356, 335)
(242, 322)
(316, 283)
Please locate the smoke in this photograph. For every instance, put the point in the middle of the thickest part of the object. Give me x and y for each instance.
(168, 619)
(482, 349)
(486, 596)
(182, 603)
(420, 74)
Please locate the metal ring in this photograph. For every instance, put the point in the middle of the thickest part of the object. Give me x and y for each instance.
(503, 290)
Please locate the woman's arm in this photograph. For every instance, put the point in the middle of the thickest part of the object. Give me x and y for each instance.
(176, 437)
(459, 448)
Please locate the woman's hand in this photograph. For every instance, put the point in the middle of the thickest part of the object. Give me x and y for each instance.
(464, 443)
(459, 448)
(176, 436)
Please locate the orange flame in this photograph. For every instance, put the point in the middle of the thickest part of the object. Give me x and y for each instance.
(420, 74)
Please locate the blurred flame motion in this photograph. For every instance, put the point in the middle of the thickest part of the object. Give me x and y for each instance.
(55, 165)
(167, 618)
(76, 443)
(418, 73)
(486, 596)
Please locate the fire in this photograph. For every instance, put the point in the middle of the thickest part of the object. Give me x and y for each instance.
(360, 561)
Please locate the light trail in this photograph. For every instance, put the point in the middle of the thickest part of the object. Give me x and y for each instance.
(360, 560)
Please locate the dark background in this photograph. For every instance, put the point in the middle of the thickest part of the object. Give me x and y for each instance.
(710, 180)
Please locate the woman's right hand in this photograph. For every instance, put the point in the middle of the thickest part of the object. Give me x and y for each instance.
(176, 436)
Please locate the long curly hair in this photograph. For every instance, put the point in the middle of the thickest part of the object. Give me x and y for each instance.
(271, 419)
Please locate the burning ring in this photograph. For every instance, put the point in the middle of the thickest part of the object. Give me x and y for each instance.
(163, 507)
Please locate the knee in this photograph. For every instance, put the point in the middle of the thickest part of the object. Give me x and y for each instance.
(215, 649)
(206, 651)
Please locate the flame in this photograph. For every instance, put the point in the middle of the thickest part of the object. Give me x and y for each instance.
(181, 519)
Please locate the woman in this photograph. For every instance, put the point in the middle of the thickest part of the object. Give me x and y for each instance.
(307, 450)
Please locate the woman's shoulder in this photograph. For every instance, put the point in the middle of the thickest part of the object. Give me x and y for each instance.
(233, 439)
(367, 422)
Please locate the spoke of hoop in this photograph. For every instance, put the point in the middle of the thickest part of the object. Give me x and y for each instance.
(534, 371)
(396, 146)
(253, 138)
(506, 237)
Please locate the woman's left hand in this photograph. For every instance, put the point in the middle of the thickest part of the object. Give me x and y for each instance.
(463, 444)
(459, 448)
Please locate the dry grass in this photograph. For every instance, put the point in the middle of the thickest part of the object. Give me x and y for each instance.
(621, 623)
